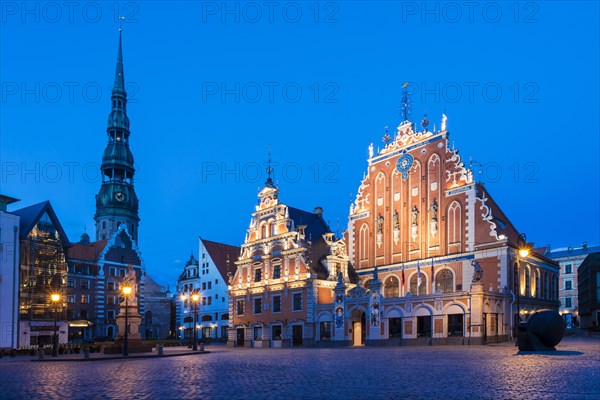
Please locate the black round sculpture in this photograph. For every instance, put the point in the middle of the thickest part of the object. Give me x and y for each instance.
(543, 330)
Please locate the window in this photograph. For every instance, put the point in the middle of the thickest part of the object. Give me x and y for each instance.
(112, 271)
(258, 333)
(85, 283)
(568, 302)
(85, 299)
(122, 273)
(276, 332)
(71, 268)
(395, 327)
(103, 224)
(111, 300)
(71, 282)
(276, 304)
(325, 330)
(297, 302)
(111, 285)
(85, 269)
(203, 300)
(209, 299)
(455, 324)
(209, 284)
(422, 289)
(391, 288)
(216, 281)
(71, 298)
(240, 307)
(257, 275)
(424, 326)
(216, 296)
(568, 269)
(277, 271)
(569, 285)
(454, 224)
(443, 281)
(110, 314)
(203, 285)
(258, 305)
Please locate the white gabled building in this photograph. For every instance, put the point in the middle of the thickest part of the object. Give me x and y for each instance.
(208, 277)
(9, 274)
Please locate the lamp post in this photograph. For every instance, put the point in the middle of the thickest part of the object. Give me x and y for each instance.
(126, 293)
(522, 252)
(195, 297)
(55, 297)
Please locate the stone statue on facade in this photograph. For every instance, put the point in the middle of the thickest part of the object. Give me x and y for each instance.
(415, 215)
(477, 272)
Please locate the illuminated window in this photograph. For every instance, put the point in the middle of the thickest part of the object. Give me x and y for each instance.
(85, 299)
(422, 289)
(391, 287)
(444, 281)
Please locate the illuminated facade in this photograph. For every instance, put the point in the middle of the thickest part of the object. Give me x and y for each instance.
(289, 264)
(444, 253)
(428, 258)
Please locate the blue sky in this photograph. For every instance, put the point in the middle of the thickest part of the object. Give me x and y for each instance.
(211, 88)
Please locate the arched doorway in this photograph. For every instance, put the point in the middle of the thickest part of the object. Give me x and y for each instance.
(359, 327)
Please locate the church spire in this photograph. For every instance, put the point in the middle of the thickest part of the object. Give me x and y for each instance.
(116, 202)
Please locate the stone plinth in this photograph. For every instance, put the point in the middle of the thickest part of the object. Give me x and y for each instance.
(134, 338)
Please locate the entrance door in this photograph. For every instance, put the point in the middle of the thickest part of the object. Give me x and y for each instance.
(356, 333)
(240, 337)
(296, 335)
(484, 327)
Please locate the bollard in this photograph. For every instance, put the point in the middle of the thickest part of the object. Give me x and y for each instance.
(41, 354)
(86, 353)
(160, 350)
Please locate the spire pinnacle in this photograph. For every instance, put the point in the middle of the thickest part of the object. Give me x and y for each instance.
(405, 102)
(119, 74)
(269, 182)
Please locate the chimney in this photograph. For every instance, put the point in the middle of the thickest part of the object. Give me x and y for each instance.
(584, 245)
(318, 211)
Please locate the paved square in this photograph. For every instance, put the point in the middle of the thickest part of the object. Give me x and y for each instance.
(448, 372)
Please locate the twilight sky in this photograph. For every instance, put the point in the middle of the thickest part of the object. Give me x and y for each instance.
(211, 86)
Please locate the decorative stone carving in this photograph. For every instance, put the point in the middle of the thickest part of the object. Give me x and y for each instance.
(477, 272)
(357, 291)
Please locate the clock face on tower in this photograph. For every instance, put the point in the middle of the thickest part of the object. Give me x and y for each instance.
(120, 197)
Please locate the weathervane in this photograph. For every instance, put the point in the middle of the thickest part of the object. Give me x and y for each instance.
(269, 170)
(121, 19)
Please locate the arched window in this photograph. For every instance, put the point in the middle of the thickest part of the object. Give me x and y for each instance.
(422, 289)
(454, 224)
(391, 287)
(363, 243)
(206, 318)
(444, 281)
(263, 231)
(272, 228)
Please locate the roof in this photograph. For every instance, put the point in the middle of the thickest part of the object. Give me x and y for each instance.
(315, 225)
(29, 216)
(572, 252)
(86, 251)
(220, 253)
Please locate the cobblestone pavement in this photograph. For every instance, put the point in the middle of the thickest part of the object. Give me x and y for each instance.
(445, 372)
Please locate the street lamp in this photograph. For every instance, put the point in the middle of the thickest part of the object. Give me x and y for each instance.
(126, 293)
(195, 298)
(55, 297)
(522, 252)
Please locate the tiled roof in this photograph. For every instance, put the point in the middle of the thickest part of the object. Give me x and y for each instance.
(29, 216)
(220, 253)
(315, 225)
(86, 252)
